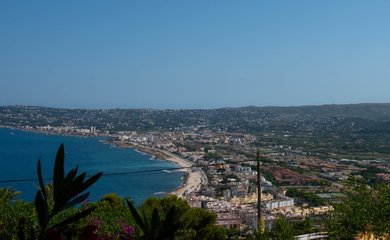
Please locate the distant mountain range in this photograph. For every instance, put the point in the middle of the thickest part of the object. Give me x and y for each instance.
(372, 111)
(361, 110)
(244, 119)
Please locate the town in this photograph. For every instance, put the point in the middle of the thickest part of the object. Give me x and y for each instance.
(305, 158)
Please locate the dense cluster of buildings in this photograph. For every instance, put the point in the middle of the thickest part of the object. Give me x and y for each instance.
(231, 191)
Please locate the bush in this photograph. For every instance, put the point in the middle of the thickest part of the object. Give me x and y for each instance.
(362, 210)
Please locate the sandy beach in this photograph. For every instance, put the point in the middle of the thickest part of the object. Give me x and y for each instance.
(194, 176)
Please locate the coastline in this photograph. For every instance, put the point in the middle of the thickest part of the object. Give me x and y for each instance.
(194, 176)
(51, 133)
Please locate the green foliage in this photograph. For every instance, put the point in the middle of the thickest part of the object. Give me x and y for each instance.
(163, 205)
(188, 223)
(269, 177)
(67, 193)
(156, 228)
(258, 235)
(202, 222)
(212, 156)
(7, 194)
(363, 209)
(369, 174)
(311, 198)
(282, 230)
(13, 215)
(110, 216)
(219, 190)
(57, 214)
(303, 227)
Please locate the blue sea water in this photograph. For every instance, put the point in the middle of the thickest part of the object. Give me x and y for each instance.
(20, 151)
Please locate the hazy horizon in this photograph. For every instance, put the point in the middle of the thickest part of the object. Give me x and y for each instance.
(193, 55)
(135, 108)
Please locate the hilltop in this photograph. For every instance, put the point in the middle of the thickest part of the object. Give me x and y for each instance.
(154, 119)
(375, 111)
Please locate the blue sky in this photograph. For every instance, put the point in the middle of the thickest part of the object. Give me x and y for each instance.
(193, 54)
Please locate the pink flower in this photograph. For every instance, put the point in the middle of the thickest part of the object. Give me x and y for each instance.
(129, 230)
(96, 222)
(85, 203)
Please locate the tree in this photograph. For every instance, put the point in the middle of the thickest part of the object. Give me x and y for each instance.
(172, 218)
(311, 198)
(362, 210)
(157, 228)
(202, 223)
(258, 234)
(282, 229)
(303, 227)
(17, 219)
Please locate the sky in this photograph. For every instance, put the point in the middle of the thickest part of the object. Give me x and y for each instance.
(193, 54)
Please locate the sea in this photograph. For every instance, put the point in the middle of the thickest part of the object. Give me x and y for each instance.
(20, 151)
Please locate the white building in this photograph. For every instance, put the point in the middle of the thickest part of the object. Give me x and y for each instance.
(279, 203)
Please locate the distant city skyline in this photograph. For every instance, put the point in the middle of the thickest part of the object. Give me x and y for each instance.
(193, 55)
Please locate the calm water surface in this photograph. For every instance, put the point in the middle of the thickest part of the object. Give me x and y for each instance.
(20, 150)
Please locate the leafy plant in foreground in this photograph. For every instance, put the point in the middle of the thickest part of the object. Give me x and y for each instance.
(187, 224)
(7, 194)
(67, 192)
(363, 210)
(282, 229)
(157, 229)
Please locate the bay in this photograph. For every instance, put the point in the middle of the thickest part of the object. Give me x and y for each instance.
(20, 151)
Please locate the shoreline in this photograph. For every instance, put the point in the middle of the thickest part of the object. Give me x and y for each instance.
(52, 133)
(194, 177)
(193, 180)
